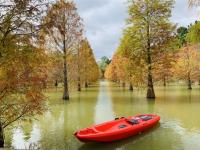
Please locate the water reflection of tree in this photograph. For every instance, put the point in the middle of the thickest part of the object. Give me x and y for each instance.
(126, 103)
(25, 136)
(26, 129)
(181, 106)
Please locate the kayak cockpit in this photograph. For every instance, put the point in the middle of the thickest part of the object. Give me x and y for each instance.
(107, 127)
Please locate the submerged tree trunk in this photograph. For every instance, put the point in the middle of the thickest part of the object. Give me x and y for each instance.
(86, 84)
(150, 88)
(79, 84)
(164, 81)
(131, 87)
(189, 83)
(1, 136)
(79, 78)
(66, 91)
(123, 84)
(56, 83)
(102, 74)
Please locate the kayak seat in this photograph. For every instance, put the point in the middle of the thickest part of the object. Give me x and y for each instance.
(133, 121)
(146, 118)
(122, 126)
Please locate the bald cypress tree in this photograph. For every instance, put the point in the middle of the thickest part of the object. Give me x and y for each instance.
(151, 29)
(64, 29)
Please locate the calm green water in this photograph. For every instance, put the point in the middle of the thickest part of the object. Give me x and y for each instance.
(179, 127)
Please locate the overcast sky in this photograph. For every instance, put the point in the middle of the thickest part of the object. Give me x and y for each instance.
(104, 22)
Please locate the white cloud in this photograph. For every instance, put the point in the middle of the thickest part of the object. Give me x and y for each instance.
(182, 14)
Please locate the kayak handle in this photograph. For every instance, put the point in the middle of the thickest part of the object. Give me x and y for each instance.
(119, 118)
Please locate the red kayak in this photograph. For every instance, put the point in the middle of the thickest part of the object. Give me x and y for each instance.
(117, 129)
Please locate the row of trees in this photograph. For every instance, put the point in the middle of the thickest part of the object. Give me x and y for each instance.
(41, 43)
(153, 50)
(81, 66)
(64, 33)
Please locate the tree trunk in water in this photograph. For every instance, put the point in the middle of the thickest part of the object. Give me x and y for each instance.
(86, 85)
(123, 84)
(164, 81)
(1, 136)
(189, 83)
(79, 87)
(103, 72)
(66, 91)
(79, 78)
(131, 87)
(150, 89)
(79, 84)
(56, 83)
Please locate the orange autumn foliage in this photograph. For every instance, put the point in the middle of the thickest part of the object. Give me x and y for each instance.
(187, 66)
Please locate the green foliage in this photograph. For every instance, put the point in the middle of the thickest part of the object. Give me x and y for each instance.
(193, 33)
(103, 64)
(182, 33)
